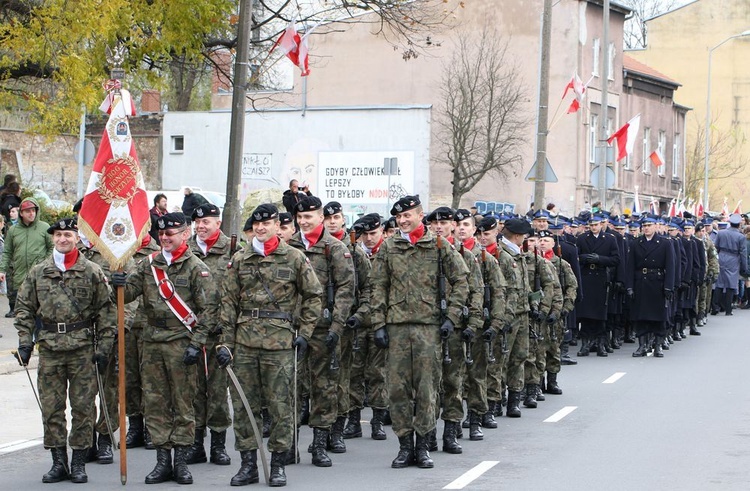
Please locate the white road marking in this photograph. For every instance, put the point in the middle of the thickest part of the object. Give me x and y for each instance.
(614, 378)
(19, 445)
(560, 414)
(467, 477)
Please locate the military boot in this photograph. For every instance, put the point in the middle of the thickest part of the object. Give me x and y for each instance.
(104, 453)
(466, 422)
(319, 455)
(540, 393)
(278, 476)
(248, 473)
(450, 445)
(497, 411)
(78, 467)
(219, 454)
(163, 470)
(601, 346)
(336, 442)
(292, 455)
(693, 330)
(676, 333)
(376, 424)
(387, 418)
(552, 387)
(93, 449)
(267, 422)
(530, 396)
(354, 426)
(422, 454)
(405, 456)
(642, 346)
(432, 443)
(59, 470)
(180, 473)
(488, 419)
(585, 346)
(134, 438)
(197, 452)
(514, 399)
(658, 353)
(304, 414)
(475, 427)
(147, 443)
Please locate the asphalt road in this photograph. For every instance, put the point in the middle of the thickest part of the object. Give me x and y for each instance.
(681, 422)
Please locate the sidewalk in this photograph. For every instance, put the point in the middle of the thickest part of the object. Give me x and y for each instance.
(9, 342)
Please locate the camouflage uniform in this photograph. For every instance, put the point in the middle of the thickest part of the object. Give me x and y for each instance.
(569, 285)
(169, 385)
(262, 344)
(712, 272)
(66, 350)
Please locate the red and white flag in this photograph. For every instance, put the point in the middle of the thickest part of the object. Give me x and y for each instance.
(738, 208)
(114, 215)
(579, 89)
(656, 158)
(295, 47)
(725, 208)
(626, 137)
(672, 209)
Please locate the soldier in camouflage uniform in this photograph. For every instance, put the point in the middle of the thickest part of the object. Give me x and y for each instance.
(264, 284)
(406, 304)
(172, 345)
(513, 265)
(67, 299)
(567, 279)
(331, 261)
(286, 226)
(712, 271)
(211, 405)
(369, 364)
(544, 313)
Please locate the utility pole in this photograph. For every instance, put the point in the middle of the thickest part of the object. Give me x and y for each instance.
(231, 219)
(542, 115)
(601, 154)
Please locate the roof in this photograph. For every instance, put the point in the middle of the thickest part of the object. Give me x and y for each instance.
(635, 66)
(613, 6)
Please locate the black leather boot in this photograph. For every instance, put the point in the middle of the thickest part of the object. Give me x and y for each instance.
(422, 454)
(530, 396)
(219, 454)
(304, 414)
(658, 353)
(552, 387)
(387, 418)
(78, 467)
(601, 346)
(376, 424)
(585, 346)
(466, 422)
(267, 421)
(693, 330)
(291, 456)
(248, 473)
(104, 453)
(405, 456)
(514, 399)
(488, 419)
(93, 449)
(59, 470)
(475, 427)
(278, 476)
(180, 473)
(450, 445)
(134, 438)
(147, 443)
(498, 410)
(539, 392)
(432, 443)
(163, 470)
(354, 426)
(197, 452)
(642, 347)
(336, 442)
(320, 457)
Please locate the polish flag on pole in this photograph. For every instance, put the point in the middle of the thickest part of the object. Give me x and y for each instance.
(738, 209)
(579, 88)
(672, 209)
(656, 158)
(295, 47)
(699, 206)
(636, 203)
(626, 137)
(653, 206)
(725, 208)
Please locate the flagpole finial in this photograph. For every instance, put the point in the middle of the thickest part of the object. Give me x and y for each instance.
(115, 58)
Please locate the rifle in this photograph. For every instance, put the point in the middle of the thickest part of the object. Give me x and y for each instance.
(468, 359)
(486, 305)
(536, 296)
(441, 296)
(355, 306)
(233, 244)
(328, 311)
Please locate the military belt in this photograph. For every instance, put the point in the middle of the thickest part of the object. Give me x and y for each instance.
(596, 266)
(267, 314)
(172, 322)
(652, 270)
(65, 327)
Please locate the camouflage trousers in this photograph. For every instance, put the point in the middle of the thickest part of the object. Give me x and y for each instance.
(168, 393)
(62, 375)
(704, 297)
(495, 371)
(265, 375)
(475, 383)
(211, 404)
(133, 359)
(544, 354)
(517, 340)
(452, 379)
(342, 391)
(414, 369)
(111, 395)
(552, 349)
(323, 381)
(369, 364)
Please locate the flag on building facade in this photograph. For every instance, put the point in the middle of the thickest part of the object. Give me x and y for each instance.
(626, 137)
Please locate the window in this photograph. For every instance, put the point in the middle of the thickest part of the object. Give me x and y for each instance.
(661, 148)
(646, 151)
(611, 62)
(595, 69)
(178, 144)
(593, 127)
(676, 154)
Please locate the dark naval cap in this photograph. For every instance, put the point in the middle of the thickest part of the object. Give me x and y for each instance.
(308, 203)
(461, 214)
(265, 212)
(518, 226)
(176, 219)
(63, 224)
(369, 222)
(405, 204)
(487, 223)
(441, 213)
(248, 224)
(206, 210)
(284, 218)
(331, 208)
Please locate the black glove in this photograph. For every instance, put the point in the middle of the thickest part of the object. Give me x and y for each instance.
(489, 335)
(24, 354)
(332, 340)
(668, 294)
(381, 338)
(468, 334)
(564, 313)
(353, 323)
(191, 355)
(100, 360)
(218, 329)
(446, 329)
(552, 318)
(630, 293)
(301, 344)
(119, 278)
(223, 356)
(535, 315)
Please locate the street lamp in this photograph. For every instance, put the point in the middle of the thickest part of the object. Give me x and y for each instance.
(708, 112)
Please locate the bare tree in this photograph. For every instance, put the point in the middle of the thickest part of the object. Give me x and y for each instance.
(642, 10)
(483, 116)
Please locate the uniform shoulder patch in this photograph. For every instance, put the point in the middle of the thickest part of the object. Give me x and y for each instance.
(347, 254)
(205, 274)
